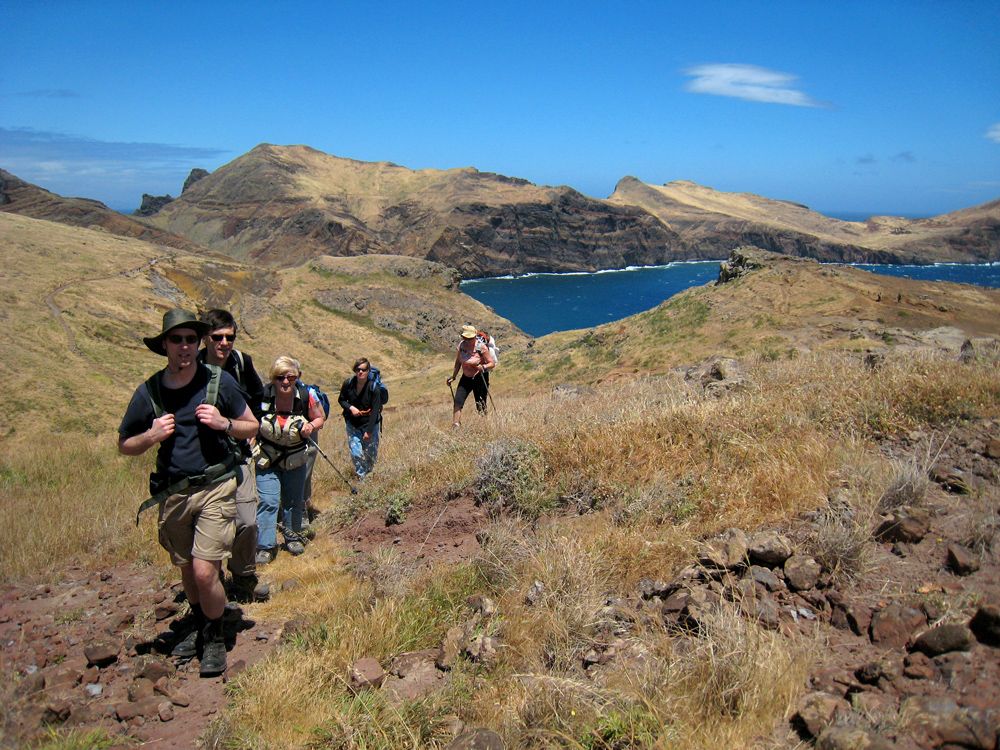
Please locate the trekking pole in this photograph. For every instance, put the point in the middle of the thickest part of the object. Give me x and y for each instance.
(314, 444)
(488, 394)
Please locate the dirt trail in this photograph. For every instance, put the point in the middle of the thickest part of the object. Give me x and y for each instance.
(56, 311)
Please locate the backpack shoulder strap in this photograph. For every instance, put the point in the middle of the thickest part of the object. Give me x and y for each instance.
(240, 366)
(153, 390)
(212, 389)
(302, 396)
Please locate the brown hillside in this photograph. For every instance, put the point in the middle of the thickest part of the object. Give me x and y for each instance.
(706, 218)
(284, 204)
(87, 298)
(20, 197)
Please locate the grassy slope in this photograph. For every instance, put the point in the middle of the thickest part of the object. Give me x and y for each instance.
(787, 308)
(76, 305)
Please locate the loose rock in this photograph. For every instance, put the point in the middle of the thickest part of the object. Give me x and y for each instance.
(944, 638)
(961, 560)
(985, 625)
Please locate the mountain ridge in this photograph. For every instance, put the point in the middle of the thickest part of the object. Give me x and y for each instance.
(283, 205)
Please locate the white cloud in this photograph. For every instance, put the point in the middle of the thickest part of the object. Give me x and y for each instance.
(748, 82)
(994, 133)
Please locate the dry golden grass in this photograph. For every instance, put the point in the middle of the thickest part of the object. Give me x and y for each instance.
(70, 501)
(673, 466)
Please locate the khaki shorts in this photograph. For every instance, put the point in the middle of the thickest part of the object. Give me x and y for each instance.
(199, 523)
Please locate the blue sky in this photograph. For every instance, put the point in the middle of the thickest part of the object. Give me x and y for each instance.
(847, 107)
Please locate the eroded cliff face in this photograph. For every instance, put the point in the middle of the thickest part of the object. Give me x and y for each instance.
(573, 233)
(284, 205)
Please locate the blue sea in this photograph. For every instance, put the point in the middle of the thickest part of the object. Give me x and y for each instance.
(542, 303)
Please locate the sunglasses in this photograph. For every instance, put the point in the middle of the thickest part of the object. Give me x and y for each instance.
(286, 378)
(176, 338)
(361, 369)
(223, 337)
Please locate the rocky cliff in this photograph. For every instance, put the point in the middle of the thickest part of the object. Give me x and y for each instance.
(282, 205)
(714, 222)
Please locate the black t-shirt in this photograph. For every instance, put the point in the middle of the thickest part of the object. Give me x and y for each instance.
(246, 377)
(193, 447)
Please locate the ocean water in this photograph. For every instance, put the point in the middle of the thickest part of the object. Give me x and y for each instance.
(541, 303)
(984, 274)
(546, 302)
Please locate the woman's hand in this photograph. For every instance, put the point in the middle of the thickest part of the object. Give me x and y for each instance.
(355, 411)
(306, 430)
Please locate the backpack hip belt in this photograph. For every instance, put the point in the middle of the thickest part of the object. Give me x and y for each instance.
(212, 475)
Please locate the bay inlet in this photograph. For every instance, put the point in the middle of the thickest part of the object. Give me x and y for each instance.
(543, 303)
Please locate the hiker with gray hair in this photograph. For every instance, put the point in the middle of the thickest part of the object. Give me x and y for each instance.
(475, 360)
(290, 416)
(192, 412)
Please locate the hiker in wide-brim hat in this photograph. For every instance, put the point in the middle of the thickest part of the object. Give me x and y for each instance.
(474, 360)
(175, 318)
(191, 412)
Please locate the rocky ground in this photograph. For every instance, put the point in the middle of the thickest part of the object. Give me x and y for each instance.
(911, 655)
(93, 651)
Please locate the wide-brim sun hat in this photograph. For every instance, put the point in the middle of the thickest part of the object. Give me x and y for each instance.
(468, 332)
(175, 318)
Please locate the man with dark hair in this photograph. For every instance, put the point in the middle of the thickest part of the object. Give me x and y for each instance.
(190, 412)
(220, 350)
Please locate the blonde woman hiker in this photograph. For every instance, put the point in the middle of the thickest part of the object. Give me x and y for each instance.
(290, 416)
(474, 360)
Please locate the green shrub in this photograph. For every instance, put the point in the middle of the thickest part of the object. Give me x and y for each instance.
(509, 478)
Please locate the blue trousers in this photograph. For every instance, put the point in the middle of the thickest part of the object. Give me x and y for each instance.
(280, 490)
(363, 453)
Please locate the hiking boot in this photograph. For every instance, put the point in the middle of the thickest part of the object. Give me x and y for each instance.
(188, 629)
(213, 656)
(308, 533)
(187, 647)
(295, 547)
(264, 556)
(242, 588)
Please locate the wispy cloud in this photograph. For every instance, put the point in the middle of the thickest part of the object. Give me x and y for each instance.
(27, 143)
(748, 82)
(866, 159)
(904, 156)
(994, 133)
(116, 172)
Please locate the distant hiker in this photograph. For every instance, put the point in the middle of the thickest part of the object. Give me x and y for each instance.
(289, 415)
(220, 350)
(190, 411)
(361, 401)
(475, 361)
